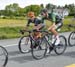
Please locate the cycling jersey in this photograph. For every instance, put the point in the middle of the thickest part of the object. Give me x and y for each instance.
(53, 17)
(36, 21)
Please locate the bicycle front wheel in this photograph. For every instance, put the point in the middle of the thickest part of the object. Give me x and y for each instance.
(3, 56)
(71, 39)
(39, 51)
(24, 44)
(60, 48)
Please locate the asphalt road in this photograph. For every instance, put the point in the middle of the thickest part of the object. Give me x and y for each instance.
(17, 59)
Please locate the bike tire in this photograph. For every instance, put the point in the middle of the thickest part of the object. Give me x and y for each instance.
(5, 55)
(36, 55)
(71, 41)
(21, 46)
(60, 46)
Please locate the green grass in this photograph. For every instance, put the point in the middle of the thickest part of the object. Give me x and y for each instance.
(12, 22)
(9, 32)
(9, 28)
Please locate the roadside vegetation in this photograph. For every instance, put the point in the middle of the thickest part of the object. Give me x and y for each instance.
(13, 18)
(10, 28)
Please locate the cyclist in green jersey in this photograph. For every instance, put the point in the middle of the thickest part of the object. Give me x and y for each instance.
(56, 23)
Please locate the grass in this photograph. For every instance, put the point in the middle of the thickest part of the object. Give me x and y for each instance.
(9, 32)
(11, 22)
(9, 28)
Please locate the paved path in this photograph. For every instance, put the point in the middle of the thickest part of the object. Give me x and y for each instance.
(17, 59)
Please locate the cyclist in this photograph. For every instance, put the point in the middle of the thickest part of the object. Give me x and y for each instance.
(37, 21)
(38, 25)
(56, 23)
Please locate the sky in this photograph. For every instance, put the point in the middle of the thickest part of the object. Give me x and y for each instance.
(23, 3)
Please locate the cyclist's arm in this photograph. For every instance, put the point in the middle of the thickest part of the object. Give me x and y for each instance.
(28, 24)
(53, 18)
(53, 21)
(36, 24)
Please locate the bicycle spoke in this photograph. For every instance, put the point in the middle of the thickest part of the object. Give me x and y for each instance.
(39, 51)
(24, 44)
(60, 48)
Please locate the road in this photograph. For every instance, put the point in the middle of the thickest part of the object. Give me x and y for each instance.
(17, 59)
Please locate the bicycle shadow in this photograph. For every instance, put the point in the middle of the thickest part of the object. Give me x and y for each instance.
(69, 54)
(27, 57)
(51, 54)
(22, 59)
(16, 56)
(13, 53)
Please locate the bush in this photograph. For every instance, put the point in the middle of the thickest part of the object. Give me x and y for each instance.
(71, 14)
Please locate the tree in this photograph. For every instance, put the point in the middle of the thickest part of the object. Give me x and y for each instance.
(66, 6)
(71, 8)
(48, 6)
(42, 6)
(22, 11)
(12, 9)
(34, 8)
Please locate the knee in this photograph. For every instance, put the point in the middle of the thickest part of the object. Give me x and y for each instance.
(52, 29)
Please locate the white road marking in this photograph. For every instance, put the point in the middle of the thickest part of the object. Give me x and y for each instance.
(10, 45)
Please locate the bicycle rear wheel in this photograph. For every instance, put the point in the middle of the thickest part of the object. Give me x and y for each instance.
(39, 51)
(3, 56)
(71, 39)
(59, 49)
(24, 44)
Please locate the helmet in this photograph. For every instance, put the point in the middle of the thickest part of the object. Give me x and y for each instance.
(44, 11)
(31, 14)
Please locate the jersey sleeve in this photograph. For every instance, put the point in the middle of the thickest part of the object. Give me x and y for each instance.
(28, 23)
(36, 22)
(53, 17)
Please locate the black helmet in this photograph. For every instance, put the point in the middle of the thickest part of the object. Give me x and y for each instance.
(44, 11)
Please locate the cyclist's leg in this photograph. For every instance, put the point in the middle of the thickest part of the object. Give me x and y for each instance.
(39, 27)
(59, 25)
(38, 34)
(54, 31)
(42, 27)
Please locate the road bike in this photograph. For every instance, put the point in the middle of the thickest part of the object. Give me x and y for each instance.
(29, 43)
(39, 47)
(60, 48)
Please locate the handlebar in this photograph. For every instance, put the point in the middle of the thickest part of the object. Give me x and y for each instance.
(30, 31)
